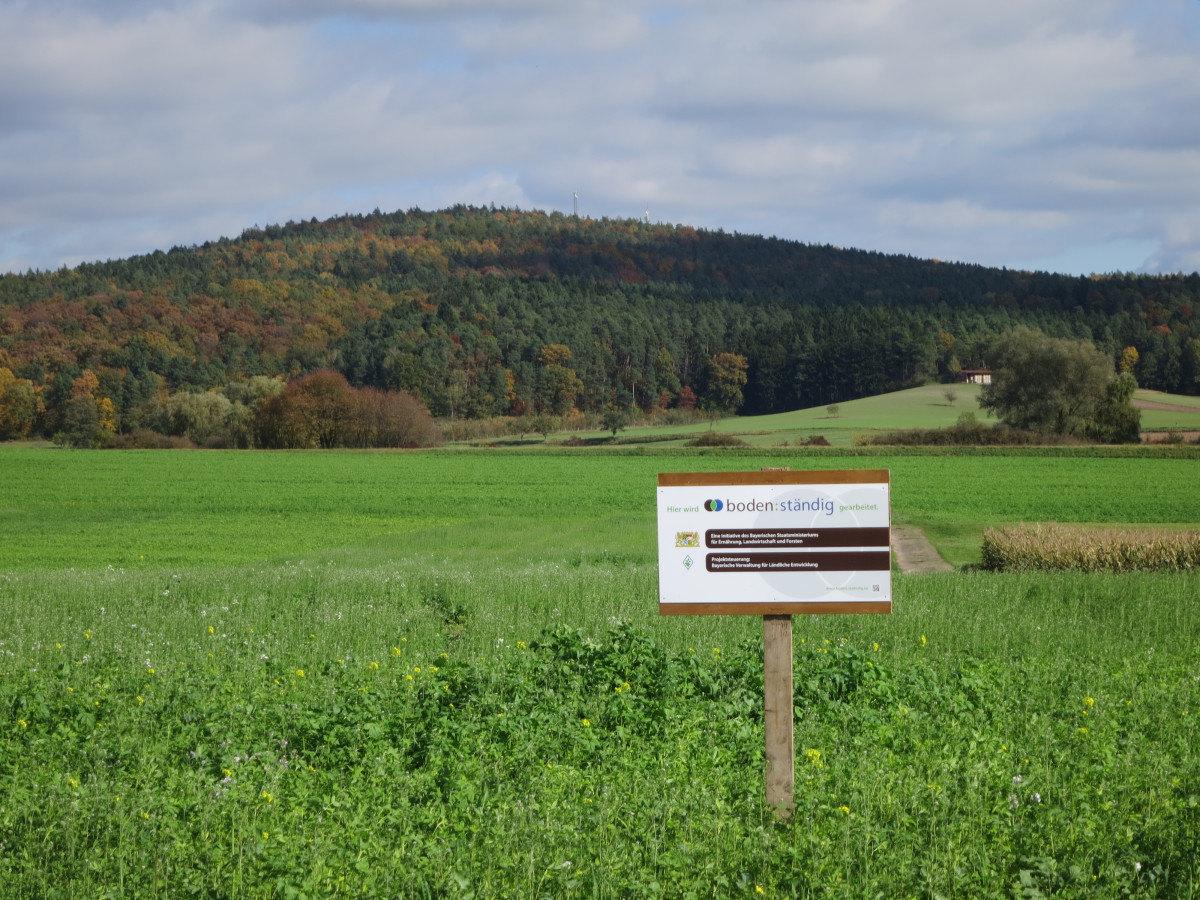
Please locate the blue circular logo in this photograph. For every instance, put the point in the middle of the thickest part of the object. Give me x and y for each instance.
(714, 505)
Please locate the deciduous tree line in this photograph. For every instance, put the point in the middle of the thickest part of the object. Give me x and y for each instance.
(319, 410)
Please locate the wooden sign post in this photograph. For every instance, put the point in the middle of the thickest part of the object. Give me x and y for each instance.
(775, 543)
(778, 714)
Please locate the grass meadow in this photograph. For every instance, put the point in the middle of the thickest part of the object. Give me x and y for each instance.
(443, 674)
(928, 406)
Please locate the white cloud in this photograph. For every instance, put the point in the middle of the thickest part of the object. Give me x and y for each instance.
(998, 133)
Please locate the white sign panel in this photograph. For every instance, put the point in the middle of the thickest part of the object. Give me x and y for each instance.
(774, 542)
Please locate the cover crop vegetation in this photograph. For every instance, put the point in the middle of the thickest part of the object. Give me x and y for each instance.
(464, 691)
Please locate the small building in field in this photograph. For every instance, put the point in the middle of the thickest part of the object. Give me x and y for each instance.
(975, 376)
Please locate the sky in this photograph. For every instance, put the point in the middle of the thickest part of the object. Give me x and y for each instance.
(1055, 135)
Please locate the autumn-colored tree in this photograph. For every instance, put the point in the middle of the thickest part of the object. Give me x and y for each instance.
(392, 419)
(322, 403)
(555, 355)
(86, 384)
(276, 426)
(107, 412)
(323, 410)
(726, 378)
(1129, 359)
(18, 406)
(558, 386)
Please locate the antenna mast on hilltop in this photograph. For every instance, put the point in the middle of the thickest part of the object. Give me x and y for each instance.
(575, 209)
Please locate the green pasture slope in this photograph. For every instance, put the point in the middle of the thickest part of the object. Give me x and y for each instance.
(927, 406)
(443, 675)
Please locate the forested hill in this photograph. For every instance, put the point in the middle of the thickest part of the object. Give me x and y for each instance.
(484, 312)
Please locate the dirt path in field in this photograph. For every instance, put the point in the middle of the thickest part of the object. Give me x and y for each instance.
(1169, 407)
(914, 553)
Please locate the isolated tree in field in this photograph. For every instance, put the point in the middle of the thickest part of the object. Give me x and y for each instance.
(543, 425)
(1051, 384)
(614, 418)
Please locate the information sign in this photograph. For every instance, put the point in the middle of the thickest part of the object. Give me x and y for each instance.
(774, 542)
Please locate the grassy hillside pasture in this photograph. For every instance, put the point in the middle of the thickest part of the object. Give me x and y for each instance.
(1169, 412)
(921, 407)
(443, 675)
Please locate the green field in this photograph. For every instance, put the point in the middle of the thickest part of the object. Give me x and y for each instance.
(444, 675)
(922, 407)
